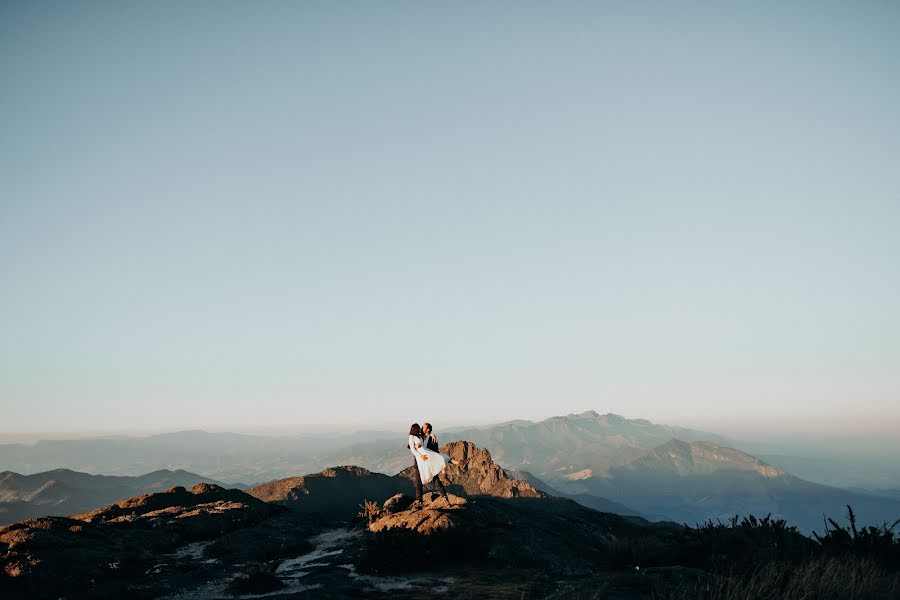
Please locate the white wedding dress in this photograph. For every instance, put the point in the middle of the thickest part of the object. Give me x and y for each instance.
(428, 469)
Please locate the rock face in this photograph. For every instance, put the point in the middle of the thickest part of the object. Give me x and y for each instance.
(472, 472)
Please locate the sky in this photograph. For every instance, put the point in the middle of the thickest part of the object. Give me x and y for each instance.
(238, 215)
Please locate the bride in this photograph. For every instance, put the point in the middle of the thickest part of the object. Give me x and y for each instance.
(428, 463)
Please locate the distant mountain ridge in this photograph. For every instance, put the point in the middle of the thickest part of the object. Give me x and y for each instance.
(587, 440)
(603, 461)
(701, 458)
(224, 456)
(666, 473)
(63, 492)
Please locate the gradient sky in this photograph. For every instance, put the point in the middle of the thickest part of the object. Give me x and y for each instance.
(233, 214)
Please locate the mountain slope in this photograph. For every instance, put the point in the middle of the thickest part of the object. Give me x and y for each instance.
(64, 492)
(335, 493)
(700, 458)
(224, 456)
(102, 553)
(693, 482)
(567, 444)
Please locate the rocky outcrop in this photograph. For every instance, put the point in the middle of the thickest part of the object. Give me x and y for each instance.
(178, 503)
(537, 532)
(338, 492)
(53, 556)
(472, 472)
(435, 513)
(61, 549)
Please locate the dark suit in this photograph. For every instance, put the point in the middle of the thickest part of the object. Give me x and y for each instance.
(432, 445)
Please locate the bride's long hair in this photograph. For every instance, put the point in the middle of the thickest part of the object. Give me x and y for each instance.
(415, 430)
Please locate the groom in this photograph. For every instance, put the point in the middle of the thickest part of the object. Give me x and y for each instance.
(431, 443)
(430, 438)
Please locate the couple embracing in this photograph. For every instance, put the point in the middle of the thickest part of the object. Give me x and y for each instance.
(429, 462)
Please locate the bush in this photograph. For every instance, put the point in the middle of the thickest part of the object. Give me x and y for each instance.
(368, 511)
(876, 542)
(756, 559)
(847, 578)
(741, 544)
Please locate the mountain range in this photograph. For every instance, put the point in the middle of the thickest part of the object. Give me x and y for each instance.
(62, 492)
(667, 473)
(223, 456)
(603, 461)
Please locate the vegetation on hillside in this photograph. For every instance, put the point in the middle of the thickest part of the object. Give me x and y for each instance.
(752, 558)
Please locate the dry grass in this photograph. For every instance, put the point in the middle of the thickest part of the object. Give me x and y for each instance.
(368, 510)
(846, 578)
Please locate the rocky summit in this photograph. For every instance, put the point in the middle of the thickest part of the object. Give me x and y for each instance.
(472, 471)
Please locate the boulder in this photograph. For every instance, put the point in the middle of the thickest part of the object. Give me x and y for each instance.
(396, 503)
(434, 514)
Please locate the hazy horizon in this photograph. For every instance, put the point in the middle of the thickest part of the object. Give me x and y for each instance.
(848, 442)
(224, 215)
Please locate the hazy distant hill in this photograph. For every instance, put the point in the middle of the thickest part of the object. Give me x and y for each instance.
(588, 500)
(570, 443)
(63, 492)
(694, 481)
(868, 472)
(665, 472)
(229, 457)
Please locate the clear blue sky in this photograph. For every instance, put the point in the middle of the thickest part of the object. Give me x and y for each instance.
(233, 214)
